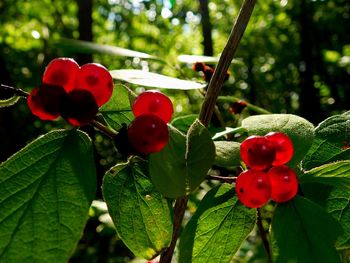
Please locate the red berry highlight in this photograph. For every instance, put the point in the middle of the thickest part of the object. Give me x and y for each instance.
(148, 134)
(253, 188)
(153, 102)
(284, 183)
(96, 79)
(257, 152)
(46, 101)
(283, 145)
(61, 72)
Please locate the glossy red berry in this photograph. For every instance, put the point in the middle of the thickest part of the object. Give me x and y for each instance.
(96, 79)
(283, 145)
(253, 188)
(148, 134)
(46, 101)
(79, 107)
(284, 183)
(257, 152)
(153, 102)
(61, 72)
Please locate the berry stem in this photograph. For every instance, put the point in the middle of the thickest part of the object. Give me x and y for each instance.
(249, 106)
(98, 125)
(15, 91)
(226, 57)
(208, 106)
(227, 179)
(263, 235)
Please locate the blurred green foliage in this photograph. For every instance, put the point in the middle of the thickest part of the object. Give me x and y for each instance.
(286, 42)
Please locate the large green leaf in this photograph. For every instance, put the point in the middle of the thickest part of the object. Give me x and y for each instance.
(154, 80)
(336, 174)
(227, 153)
(331, 141)
(118, 111)
(183, 123)
(298, 129)
(305, 233)
(183, 164)
(45, 193)
(142, 216)
(217, 229)
(90, 48)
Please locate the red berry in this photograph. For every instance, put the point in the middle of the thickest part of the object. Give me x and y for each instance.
(79, 107)
(148, 134)
(46, 101)
(153, 102)
(284, 183)
(96, 79)
(257, 152)
(283, 145)
(253, 188)
(61, 72)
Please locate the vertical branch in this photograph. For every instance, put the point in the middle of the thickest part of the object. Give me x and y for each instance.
(208, 106)
(263, 236)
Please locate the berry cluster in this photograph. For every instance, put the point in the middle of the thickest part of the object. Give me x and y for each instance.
(267, 176)
(71, 91)
(148, 132)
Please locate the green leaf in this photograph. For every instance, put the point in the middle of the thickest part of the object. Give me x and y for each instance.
(183, 164)
(9, 102)
(217, 229)
(331, 141)
(142, 216)
(45, 193)
(336, 174)
(305, 233)
(300, 131)
(90, 48)
(117, 110)
(229, 130)
(183, 123)
(227, 153)
(154, 80)
(191, 59)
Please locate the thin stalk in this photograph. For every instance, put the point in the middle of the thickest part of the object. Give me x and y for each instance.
(15, 91)
(106, 130)
(249, 105)
(208, 106)
(263, 236)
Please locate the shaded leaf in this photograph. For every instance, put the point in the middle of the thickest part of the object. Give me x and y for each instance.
(45, 193)
(154, 80)
(142, 217)
(227, 153)
(118, 110)
(217, 229)
(183, 164)
(183, 123)
(300, 131)
(305, 233)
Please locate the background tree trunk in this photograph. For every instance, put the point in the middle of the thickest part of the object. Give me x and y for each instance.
(85, 27)
(206, 28)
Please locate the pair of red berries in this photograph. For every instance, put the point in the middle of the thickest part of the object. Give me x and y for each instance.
(148, 132)
(267, 176)
(71, 91)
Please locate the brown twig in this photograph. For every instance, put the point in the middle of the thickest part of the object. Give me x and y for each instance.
(208, 106)
(227, 179)
(15, 91)
(263, 236)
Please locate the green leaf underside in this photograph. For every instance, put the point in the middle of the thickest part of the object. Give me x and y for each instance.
(90, 48)
(154, 80)
(227, 153)
(183, 123)
(300, 131)
(45, 193)
(305, 233)
(117, 110)
(332, 137)
(227, 131)
(9, 102)
(183, 164)
(142, 217)
(336, 174)
(217, 229)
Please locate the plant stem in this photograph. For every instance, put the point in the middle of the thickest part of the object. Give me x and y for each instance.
(263, 236)
(103, 128)
(15, 91)
(208, 106)
(225, 60)
(227, 179)
(249, 106)
(179, 212)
